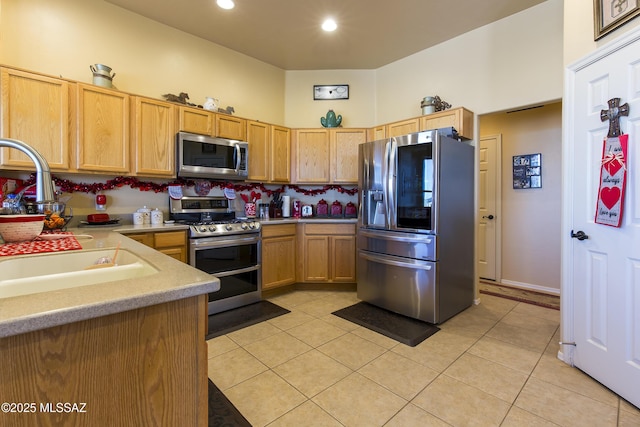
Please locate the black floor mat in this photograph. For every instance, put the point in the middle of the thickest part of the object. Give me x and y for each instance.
(395, 326)
(222, 413)
(238, 318)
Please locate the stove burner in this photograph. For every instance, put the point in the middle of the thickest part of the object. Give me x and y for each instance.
(218, 228)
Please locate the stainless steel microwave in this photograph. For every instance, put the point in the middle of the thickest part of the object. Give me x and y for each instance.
(201, 156)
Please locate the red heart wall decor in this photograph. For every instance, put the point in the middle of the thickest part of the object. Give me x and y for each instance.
(610, 196)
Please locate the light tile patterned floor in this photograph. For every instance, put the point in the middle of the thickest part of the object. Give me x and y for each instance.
(494, 364)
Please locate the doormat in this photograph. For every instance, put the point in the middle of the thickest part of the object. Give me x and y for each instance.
(395, 326)
(238, 318)
(221, 410)
(520, 295)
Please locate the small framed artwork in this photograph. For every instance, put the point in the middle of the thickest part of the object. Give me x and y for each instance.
(611, 14)
(527, 171)
(323, 92)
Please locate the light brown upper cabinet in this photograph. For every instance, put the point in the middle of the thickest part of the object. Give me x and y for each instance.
(402, 127)
(259, 139)
(153, 135)
(197, 120)
(344, 154)
(35, 110)
(103, 130)
(280, 154)
(460, 118)
(231, 127)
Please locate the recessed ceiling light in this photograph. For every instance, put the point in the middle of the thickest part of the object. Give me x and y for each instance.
(329, 25)
(225, 4)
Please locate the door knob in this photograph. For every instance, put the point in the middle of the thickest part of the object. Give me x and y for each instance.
(488, 216)
(580, 235)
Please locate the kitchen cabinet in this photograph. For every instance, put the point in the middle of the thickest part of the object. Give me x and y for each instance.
(172, 243)
(103, 130)
(280, 154)
(146, 366)
(259, 139)
(328, 253)
(324, 156)
(36, 110)
(278, 255)
(153, 136)
(460, 118)
(376, 133)
(269, 152)
(197, 120)
(344, 154)
(231, 127)
(402, 127)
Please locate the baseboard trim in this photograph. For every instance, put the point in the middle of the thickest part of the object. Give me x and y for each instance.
(530, 287)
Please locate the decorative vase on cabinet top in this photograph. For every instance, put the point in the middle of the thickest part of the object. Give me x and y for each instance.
(331, 121)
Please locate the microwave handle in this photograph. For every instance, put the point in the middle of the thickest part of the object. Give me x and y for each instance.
(238, 157)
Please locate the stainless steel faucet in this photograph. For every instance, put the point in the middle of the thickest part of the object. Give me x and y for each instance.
(45, 191)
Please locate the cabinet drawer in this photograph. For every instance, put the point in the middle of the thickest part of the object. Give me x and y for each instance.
(278, 230)
(325, 229)
(170, 238)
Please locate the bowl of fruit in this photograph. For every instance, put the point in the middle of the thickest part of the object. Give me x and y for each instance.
(56, 221)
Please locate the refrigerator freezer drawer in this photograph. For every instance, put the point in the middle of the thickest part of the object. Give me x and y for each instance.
(408, 245)
(404, 286)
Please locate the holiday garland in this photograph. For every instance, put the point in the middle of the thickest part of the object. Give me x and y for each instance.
(68, 186)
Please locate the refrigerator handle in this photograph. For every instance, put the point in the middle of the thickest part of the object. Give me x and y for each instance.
(390, 180)
(389, 261)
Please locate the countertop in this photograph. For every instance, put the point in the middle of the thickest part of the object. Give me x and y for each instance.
(174, 280)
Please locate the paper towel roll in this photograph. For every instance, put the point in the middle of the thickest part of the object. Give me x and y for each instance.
(286, 206)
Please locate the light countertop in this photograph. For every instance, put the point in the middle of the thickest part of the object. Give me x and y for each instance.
(173, 281)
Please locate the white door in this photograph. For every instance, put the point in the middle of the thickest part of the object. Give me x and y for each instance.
(488, 197)
(601, 275)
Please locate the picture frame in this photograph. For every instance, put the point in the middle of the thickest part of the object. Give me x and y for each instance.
(527, 171)
(611, 14)
(330, 92)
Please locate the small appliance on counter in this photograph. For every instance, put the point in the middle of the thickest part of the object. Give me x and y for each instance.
(297, 208)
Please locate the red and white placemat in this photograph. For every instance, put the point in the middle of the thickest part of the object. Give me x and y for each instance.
(40, 246)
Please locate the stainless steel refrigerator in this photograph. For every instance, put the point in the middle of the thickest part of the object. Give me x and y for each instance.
(416, 224)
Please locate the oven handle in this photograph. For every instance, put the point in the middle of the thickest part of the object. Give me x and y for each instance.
(205, 243)
(242, 270)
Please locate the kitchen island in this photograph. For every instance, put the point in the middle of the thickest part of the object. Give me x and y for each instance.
(126, 352)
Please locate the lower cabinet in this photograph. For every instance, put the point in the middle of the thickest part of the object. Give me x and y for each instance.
(172, 243)
(328, 253)
(278, 255)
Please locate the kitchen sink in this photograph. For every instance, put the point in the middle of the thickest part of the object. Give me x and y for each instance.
(31, 274)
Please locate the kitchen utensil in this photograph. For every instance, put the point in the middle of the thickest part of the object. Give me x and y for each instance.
(105, 261)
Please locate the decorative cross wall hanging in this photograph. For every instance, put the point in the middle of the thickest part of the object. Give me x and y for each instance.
(613, 170)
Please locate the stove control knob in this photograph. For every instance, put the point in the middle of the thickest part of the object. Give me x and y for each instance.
(244, 226)
(212, 228)
(252, 225)
(229, 227)
(203, 228)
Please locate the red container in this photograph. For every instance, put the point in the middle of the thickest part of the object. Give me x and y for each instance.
(297, 209)
(322, 209)
(336, 209)
(350, 211)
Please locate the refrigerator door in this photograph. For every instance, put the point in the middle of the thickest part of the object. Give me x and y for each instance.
(402, 285)
(372, 179)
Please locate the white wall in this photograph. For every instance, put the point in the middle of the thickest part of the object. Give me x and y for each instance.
(63, 37)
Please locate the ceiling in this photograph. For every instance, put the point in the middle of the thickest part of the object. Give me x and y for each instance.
(287, 34)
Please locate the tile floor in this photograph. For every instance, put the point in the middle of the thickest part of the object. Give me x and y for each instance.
(494, 364)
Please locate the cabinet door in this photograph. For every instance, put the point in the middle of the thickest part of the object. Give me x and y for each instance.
(378, 132)
(315, 266)
(278, 261)
(195, 120)
(258, 137)
(144, 238)
(402, 128)
(280, 154)
(154, 133)
(343, 259)
(103, 130)
(312, 156)
(35, 110)
(231, 127)
(460, 118)
(344, 154)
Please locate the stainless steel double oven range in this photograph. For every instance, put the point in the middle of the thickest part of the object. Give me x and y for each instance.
(224, 246)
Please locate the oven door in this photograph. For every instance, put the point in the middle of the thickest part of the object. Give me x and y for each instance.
(236, 261)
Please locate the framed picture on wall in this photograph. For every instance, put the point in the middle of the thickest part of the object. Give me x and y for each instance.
(611, 14)
(527, 171)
